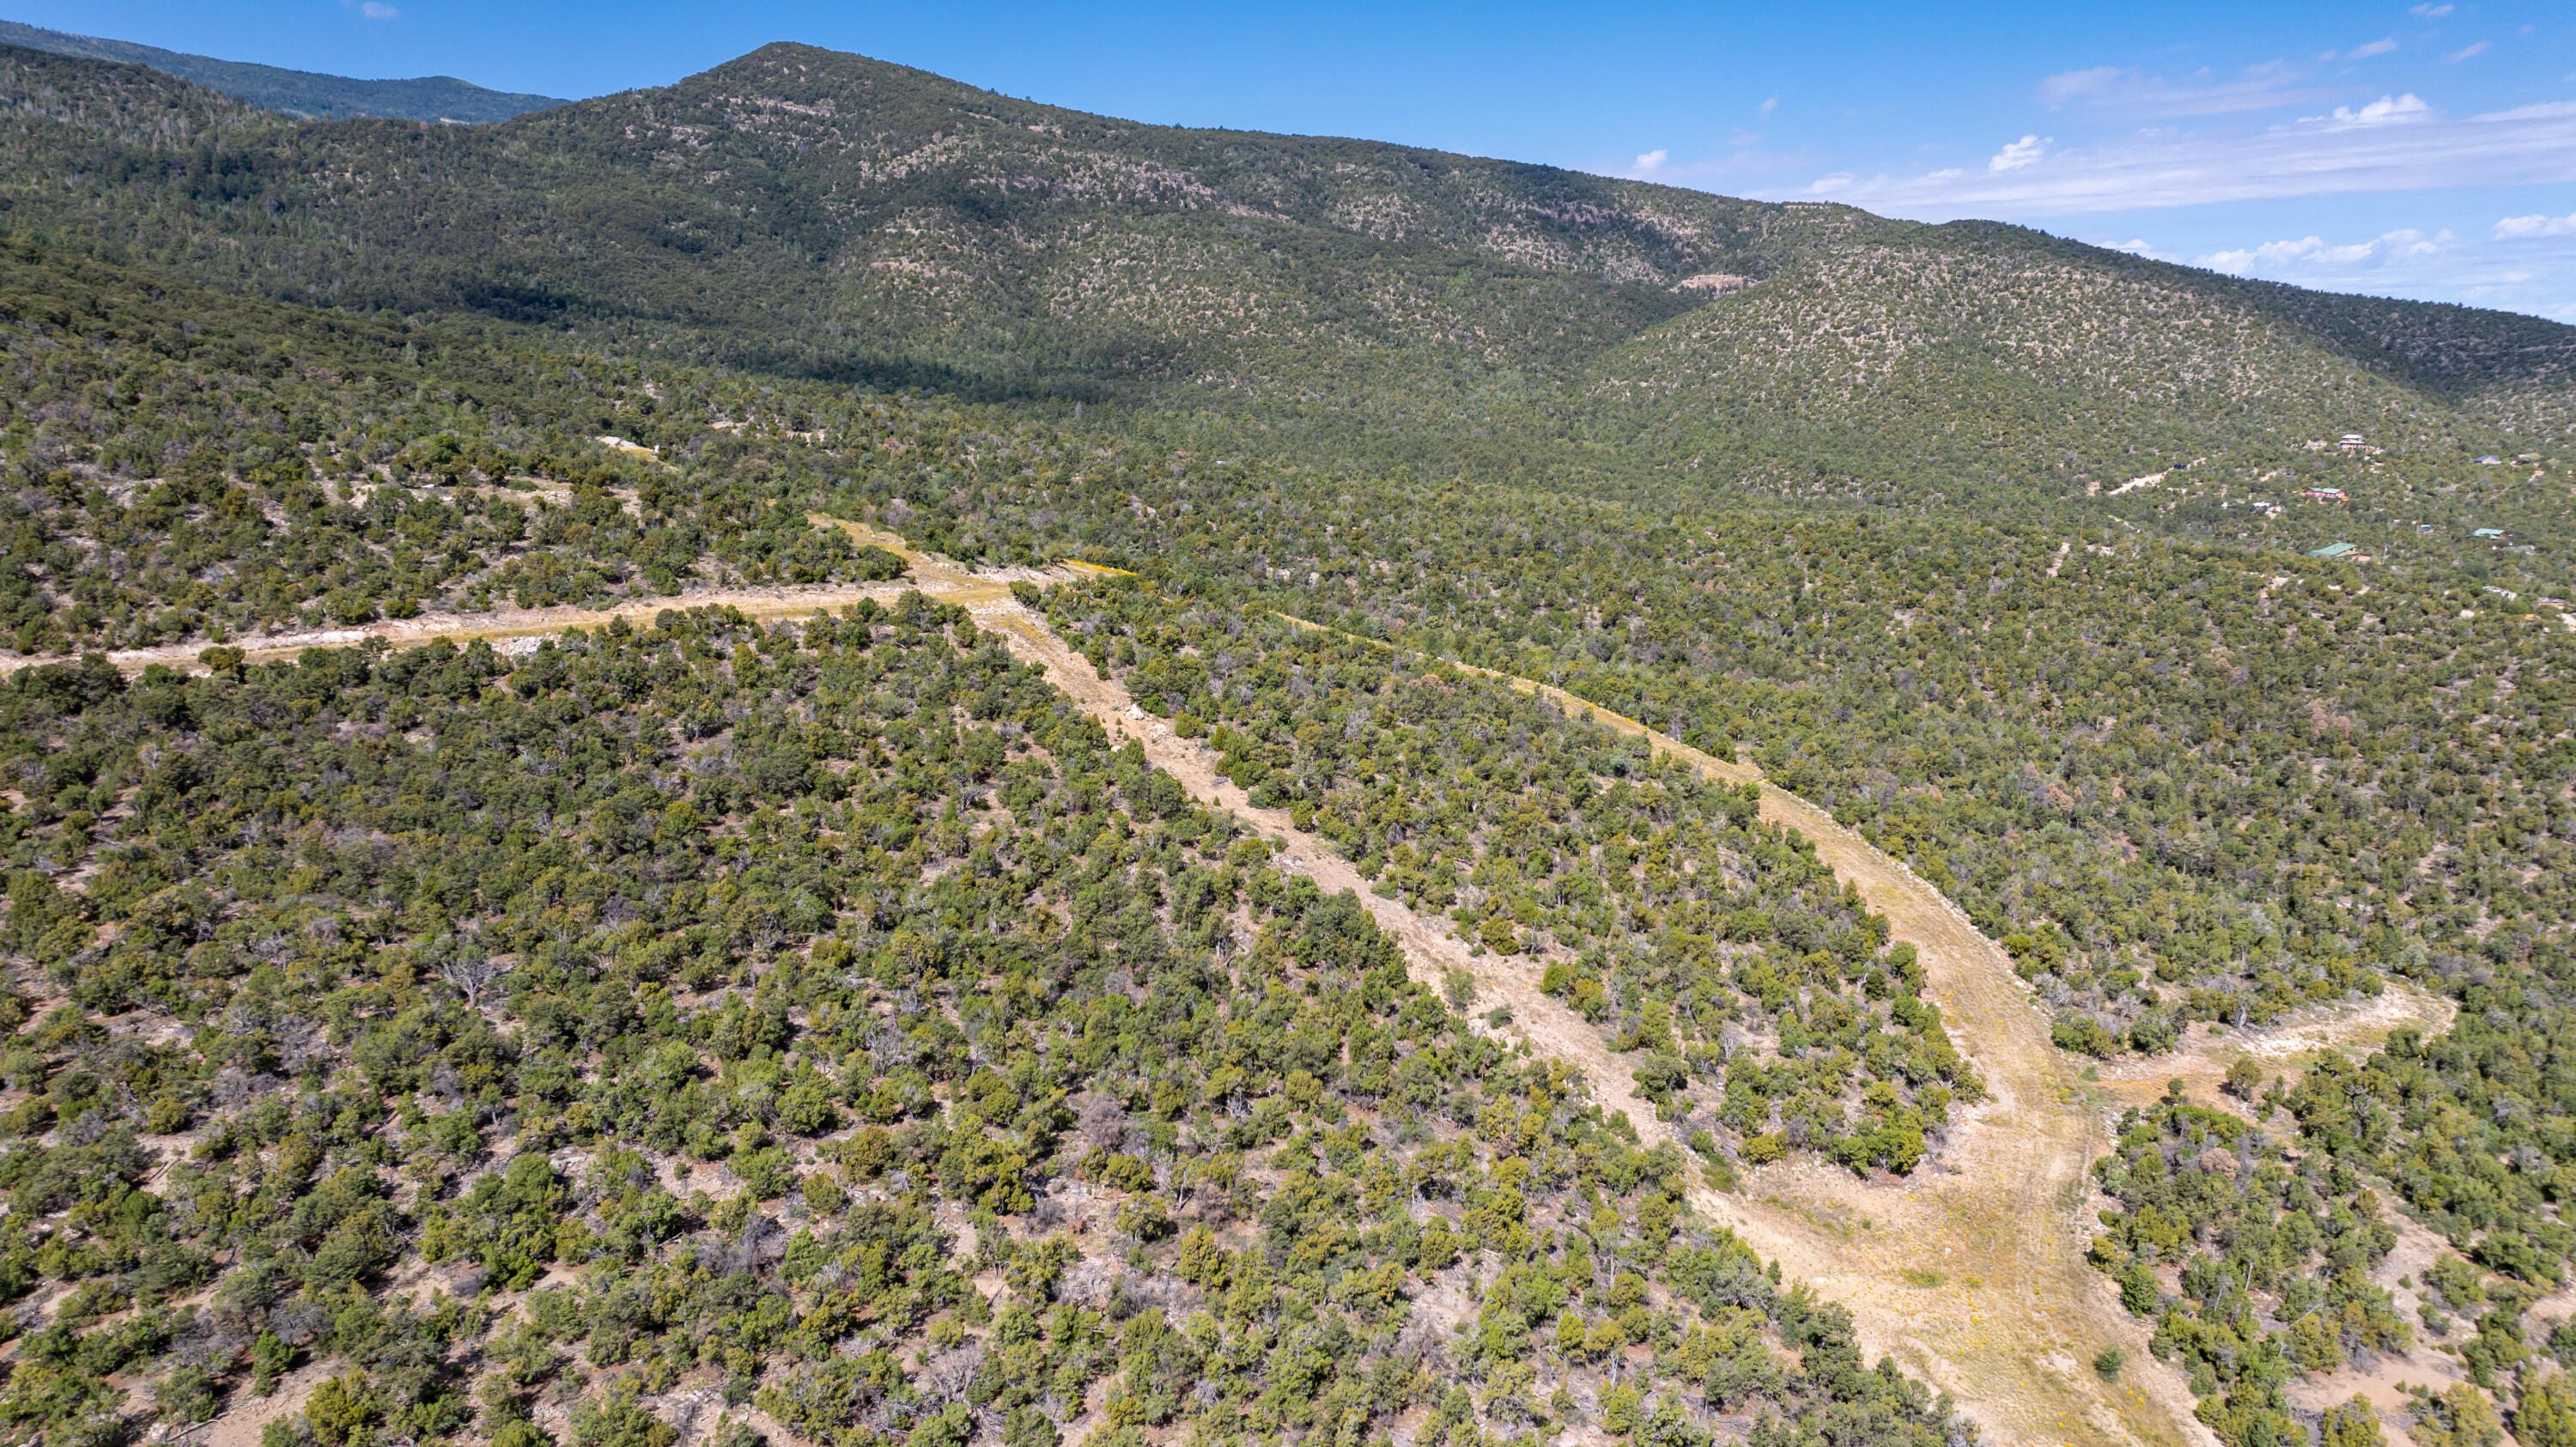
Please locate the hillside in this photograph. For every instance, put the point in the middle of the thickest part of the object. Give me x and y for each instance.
(2068, 368)
(831, 216)
(300, 93)
(598, 850)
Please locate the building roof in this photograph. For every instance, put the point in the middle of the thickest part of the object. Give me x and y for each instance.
(2488, 533)
(2331, 550)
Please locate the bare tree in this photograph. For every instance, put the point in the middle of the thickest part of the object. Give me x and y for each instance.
(1103, 1122)
(472, 972)
(947, 1376)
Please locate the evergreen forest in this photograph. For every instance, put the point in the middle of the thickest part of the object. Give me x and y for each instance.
(533, 917)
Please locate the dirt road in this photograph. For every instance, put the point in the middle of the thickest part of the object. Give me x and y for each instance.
(946, 581)
(501, 623)
(1971, 1272)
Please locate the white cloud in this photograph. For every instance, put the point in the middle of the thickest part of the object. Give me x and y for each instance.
(1652, 161)
(2396, 143)
(1765, 109)
(2536, 276)
(2310, 255)
(2110, 87)
(2024, 152)
(2430, 12)
(2383, 110)
(2381, 46)
(378, 10)
(2514, 228)
(2467, 52)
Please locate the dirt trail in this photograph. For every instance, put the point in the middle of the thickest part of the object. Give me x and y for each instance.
(1971, 1272)
(933, 577)
(501, 623)
(2284, 1048)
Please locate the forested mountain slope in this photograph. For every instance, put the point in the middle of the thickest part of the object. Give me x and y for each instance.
(2068, 368)
(846, 214)
(826, 214)
(296, 92)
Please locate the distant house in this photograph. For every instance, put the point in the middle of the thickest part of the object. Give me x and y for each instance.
(2352, 442)
(2332, 550)
(2325, 494)
(2487, 533)
(2490, 460)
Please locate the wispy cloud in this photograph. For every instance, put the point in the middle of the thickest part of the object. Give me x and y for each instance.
(378, 10)
(2534, 274)
(2381, 46)
(2384, 110)
(2131, 91)
(2024, 152)
(2430, 12)
(1764, 110)
(2395, 143)
(1651, 162)
(2467, 52)
(2310, 254)
(2514, 228)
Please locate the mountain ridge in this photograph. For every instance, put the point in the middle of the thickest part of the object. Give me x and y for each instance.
(308, 95)
(954, 217)
(808, 213)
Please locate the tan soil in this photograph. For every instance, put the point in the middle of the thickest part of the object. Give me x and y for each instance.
(2011, 1315)
(2282, 1049)
(240, 1424)
(2285, 1050)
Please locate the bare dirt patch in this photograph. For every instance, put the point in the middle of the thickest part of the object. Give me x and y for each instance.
(242, 1419)
(2283, 1048)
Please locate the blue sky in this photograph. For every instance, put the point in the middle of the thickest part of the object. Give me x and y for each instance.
(2424, 150)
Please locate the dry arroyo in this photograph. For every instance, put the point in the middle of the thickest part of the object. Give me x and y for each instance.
(1971, 1273)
